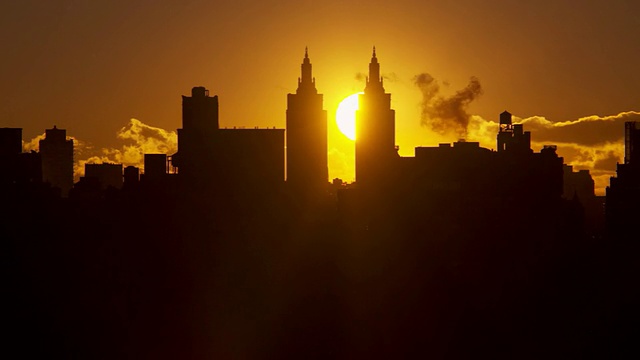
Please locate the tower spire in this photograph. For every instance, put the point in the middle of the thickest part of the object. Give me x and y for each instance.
(306, 81)
(374, 81)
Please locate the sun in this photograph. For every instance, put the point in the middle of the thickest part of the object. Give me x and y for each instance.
(346, 115)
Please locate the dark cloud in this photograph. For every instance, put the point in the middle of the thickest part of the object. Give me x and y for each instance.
(592, 130)
(446, 114)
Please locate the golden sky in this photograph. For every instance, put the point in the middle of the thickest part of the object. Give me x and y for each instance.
(91, 66)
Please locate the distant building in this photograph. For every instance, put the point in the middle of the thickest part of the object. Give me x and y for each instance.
(155, 165)
(196, 145)
(108, 175)
(469, 171)
(512, 137)
(376, 151)
(131, 176)
(28, 169)
(464, 168)
(632, 143)
(17, 168)
(451, 181)
(579, 185)
(623, 192)
(236, 158)
(57, 159)
(10, 150)
(10, 141)
(306, 133)
(447, 170)
(251, 157)
(87, 189)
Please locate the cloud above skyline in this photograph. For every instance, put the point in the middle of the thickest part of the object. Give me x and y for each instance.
(594, 143)
(137, 139)
(446, 114)
(33, 144)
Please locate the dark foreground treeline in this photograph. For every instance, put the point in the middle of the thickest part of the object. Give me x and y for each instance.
(154, 275)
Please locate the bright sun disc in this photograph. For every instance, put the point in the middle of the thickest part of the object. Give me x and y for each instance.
(346, 116)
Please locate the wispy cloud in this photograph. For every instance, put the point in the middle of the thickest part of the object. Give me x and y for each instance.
(446, 114)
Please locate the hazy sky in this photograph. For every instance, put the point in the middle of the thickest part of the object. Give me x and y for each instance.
(90, 66)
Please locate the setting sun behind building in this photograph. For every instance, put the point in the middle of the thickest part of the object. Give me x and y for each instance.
(346, 115)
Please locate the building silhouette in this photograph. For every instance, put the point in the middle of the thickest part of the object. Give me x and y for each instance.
(579, 186)
(131, 177)
(455, 251)
(376, 151)
(466, 170)
(512, 137)
(450, 181)
(18, 169)
(623, 192)
(214, 158)
(196, 137)
(10, 141)
(29, 169)
(306, 131)
(10, 150)
(107, 175)
(250, 159)
(632, 143)
(155, 165)
(455, 181)
(577, 183)
(57, 159)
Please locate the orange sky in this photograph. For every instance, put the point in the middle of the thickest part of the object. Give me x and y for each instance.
(91, 66)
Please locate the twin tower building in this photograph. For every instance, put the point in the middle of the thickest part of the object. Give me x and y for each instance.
(307, 131)
(254, 156)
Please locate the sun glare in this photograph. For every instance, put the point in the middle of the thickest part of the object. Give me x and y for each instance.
(346, 116)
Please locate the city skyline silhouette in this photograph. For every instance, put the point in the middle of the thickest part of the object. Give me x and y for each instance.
(77, 58)
(174, 183)
(209, 252)
(575, 139)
